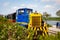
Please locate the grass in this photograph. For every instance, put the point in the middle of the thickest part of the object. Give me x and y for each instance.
(54, 18)
(48, 25)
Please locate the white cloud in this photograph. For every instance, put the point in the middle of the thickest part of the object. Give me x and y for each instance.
(49, 7)
(34, 6)
(36, 0)
(56, 1)
(29, 5)
(25, 6)
(1, 13)
(14, 8)
(6, 4)
(45, 0)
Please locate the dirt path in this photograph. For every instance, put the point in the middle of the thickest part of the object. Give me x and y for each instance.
(53, 30)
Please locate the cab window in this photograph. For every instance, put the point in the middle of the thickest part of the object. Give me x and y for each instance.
(29, 11)
(21, 12)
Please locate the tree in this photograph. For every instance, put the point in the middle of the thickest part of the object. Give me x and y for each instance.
(46, 15)
(58, 13)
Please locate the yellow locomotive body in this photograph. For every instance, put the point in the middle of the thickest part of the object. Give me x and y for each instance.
(35, 23)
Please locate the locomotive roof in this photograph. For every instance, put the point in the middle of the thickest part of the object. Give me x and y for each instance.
(25, 8)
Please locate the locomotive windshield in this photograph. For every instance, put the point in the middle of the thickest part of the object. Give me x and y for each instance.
(21, 12)
(24, 11)
(29, 11)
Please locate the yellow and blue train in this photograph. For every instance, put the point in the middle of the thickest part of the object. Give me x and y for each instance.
(30, 19)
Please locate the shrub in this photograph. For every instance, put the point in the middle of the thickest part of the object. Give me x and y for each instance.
(14, 31)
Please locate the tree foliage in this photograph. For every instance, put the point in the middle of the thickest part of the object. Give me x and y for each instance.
(45, 14)
(58, 13)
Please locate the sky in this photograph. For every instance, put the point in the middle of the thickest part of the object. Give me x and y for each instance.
(49, 6)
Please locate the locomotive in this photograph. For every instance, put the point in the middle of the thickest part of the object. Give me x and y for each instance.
(37, 24)
(29, 19)
(21, 16)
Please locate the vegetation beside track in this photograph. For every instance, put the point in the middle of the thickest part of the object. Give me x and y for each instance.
(54, 18)
(13, 31)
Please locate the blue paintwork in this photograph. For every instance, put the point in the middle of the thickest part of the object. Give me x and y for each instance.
(24, 17)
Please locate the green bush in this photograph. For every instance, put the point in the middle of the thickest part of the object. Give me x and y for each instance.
(14, 31)
(48, 25)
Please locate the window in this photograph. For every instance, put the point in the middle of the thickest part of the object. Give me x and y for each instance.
(28, 11)
(20, 11)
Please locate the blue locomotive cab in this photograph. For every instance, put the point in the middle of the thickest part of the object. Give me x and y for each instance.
(22, 15)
